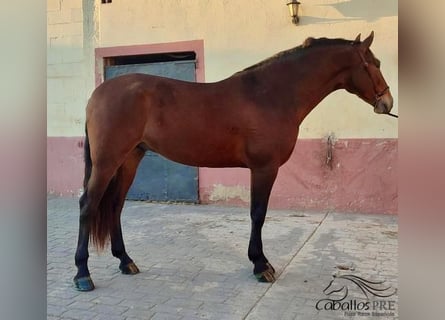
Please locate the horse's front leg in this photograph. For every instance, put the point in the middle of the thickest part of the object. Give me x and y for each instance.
(262, 181)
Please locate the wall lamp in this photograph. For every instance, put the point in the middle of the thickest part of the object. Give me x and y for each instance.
(293, 10)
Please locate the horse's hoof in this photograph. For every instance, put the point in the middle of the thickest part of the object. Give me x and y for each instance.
(270, 268)
(130, 268)
(265, 276)
(84, 284)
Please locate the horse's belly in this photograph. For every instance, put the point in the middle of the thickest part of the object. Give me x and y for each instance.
(214, 159)
(203, 151)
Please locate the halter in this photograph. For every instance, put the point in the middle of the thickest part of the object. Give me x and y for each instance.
(378, 95)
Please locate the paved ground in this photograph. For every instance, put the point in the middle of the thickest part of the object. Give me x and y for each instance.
(193, 262)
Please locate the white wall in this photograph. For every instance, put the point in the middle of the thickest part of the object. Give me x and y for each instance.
(65, 68)
(236, 34)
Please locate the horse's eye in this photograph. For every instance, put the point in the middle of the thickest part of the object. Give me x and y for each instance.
(377, 63)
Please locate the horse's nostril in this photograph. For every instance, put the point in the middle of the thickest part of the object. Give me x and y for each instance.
(386, 103)
(388, 107)
(390, 102)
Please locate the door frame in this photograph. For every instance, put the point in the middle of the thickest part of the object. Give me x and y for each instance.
(103, 53)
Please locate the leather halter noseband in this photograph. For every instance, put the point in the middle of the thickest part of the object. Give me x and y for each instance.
(378, 95)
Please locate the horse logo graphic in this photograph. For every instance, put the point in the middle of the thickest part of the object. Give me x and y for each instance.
(339, 287)
(367, 287)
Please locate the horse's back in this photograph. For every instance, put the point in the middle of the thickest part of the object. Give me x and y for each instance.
(187, 122)
(200, 124)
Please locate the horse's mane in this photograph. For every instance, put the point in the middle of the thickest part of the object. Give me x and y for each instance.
(294, 52)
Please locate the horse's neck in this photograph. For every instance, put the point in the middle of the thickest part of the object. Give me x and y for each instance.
(297, 85)
(313, 76)
(323, 73)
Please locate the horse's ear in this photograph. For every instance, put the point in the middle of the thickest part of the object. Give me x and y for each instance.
(307, 42)
(368, 41)
(357, 39)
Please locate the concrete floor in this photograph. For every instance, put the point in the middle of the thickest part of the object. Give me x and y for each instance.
(194, 265)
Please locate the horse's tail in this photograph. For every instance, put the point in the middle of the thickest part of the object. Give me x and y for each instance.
(105, 219)
(87, 158)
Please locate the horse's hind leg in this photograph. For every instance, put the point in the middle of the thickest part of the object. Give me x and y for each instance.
(124, 178)
(82, 279)
(261, 185)
(89, 204)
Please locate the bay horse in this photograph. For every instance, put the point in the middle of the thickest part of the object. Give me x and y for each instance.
(248, 120)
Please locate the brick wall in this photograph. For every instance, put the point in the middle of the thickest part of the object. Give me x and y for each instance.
(66, 87)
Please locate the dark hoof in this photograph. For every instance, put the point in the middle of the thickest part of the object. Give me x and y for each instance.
(270, 268)
(84, 284)
(130, 268)
(265, 276)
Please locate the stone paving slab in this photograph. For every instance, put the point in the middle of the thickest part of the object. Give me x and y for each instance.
(194, 265)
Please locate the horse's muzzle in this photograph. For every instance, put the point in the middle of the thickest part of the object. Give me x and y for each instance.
(384, 103)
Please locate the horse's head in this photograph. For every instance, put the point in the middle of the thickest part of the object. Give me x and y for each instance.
(366, 80)
(336, 289)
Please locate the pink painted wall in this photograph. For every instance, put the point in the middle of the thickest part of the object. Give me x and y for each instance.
(64, 165)
(363, 178)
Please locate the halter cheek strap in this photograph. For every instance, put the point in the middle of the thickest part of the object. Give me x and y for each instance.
(378, 95)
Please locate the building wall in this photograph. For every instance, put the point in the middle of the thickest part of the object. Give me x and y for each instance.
(65, 68)
(237, 34)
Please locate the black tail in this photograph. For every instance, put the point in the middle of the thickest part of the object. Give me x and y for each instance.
(87, 158)
(103, 221)
(107, 218)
